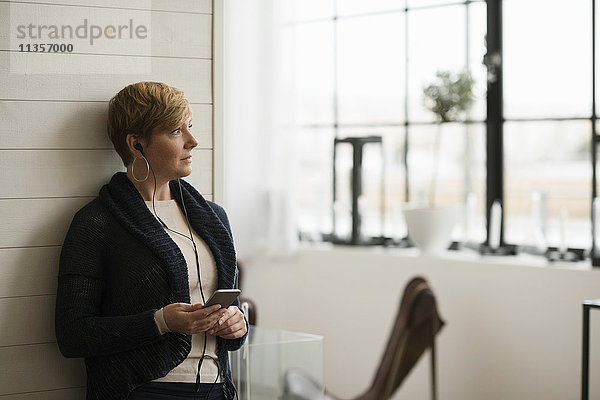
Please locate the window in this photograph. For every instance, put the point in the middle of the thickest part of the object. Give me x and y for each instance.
(361, 69)
(547, 109)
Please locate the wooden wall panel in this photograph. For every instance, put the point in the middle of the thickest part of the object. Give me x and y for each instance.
(54, 156)
(169, 34)
(38, 367)
(61, 173)
(73, 125)
(28, 272)
(27, 320)
(66, 125)
(201, 176)
(60, 394)
(55, 173)
(37, 222)
(183, 6)
(193, 76)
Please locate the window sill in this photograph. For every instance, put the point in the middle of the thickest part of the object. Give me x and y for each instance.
(465, 255)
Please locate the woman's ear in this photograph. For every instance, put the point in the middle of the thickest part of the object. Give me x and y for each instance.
(132, 140)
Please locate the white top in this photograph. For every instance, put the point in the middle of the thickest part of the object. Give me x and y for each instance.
(173, 217)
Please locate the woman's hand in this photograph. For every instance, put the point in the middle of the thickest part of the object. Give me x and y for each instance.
(192, 318)
(231, 325)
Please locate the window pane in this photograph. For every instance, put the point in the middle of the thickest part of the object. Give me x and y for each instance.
(305, 10)
(477, 49)
(314, 73)
(429, 3)
(371, 69)
(547, 58)
(547, 173)
(460, 173)
(348, 7)
(429, 54)
(314, 185)
(597, 57)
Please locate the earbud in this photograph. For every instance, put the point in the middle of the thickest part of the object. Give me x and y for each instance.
(139, 147)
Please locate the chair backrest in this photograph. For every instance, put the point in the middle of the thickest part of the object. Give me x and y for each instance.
(417, 323)
(249, 309)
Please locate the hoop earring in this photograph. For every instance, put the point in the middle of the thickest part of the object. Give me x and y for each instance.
(133, 169)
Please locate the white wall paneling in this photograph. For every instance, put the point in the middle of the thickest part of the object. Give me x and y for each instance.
(60, 173)
(218, 103)
(55, 156)
(37, 222)
(73, 125)
(27, 320)
(202, 171)
(38, 367)
(60, 394)
(28, 272)
(193, 76)
(172, 34)
(181, 6)
(54, 173)
(53, 125)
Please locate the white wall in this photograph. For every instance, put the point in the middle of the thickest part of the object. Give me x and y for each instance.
(512, 332)
(54, 156)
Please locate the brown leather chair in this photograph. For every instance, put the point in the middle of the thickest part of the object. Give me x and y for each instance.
(249, 308)
(416, 326)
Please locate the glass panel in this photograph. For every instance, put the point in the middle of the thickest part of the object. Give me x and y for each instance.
(314, 73)
(477, 49)
(394, 176)
(596, 206)
(547, 183)
(371, 69)
(370, 202)
(314, 190)
(429, 3)
(597, 57)
(437, 41)
(259, 367)
(547, 70)
(460, 174)
(305, 10)
(343, 187)
(348, 7)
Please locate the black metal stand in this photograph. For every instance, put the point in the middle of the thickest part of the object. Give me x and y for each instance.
(574, 255)
(356, 238)
(503, 250)
(585, 354)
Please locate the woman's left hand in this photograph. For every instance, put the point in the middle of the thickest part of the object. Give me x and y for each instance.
(232, 325)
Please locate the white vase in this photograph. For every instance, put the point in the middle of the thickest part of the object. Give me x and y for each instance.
(429, 228)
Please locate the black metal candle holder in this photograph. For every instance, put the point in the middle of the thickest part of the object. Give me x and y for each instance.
(357, 237)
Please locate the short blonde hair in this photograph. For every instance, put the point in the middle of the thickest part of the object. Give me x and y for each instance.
(140, 108)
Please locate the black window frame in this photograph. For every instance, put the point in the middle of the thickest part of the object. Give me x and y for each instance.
(494, 120)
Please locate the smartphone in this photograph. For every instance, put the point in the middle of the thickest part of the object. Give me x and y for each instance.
(224, 297)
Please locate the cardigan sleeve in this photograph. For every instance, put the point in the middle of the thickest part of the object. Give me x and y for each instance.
(81, 330)
(231, 344)
(235, 344)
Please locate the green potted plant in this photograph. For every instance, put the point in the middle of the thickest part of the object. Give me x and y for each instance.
(448, 97)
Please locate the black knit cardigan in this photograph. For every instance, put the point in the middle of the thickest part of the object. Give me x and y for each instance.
(117, 267)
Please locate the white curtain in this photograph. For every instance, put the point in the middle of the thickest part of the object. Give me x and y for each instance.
(259, 127)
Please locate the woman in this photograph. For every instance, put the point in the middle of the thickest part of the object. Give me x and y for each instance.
(141, 259)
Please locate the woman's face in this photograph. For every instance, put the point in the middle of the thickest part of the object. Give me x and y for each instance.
(169, 151)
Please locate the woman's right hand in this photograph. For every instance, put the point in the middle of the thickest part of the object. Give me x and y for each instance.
(191, 318)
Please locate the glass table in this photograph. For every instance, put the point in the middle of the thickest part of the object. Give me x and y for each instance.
(259, 367)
